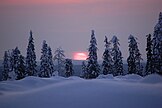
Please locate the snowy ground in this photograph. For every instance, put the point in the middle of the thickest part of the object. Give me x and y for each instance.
(131, 91)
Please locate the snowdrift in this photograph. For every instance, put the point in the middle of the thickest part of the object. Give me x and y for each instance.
(130, 91)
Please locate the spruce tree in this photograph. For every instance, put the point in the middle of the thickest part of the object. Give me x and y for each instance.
(21, 68)
(93, 67)
(59, 57)
(117, 57)
(11, 59)
(31, 63)
(149, 65)
(84, 73)
(50, 61)
(138, 59)
(15, 58)
(68, 68)
(107, 64)
(157, 46)
(10, 65)
(6, 66)
(44, 64)
(134, 59)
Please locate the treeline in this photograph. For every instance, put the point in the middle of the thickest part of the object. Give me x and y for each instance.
(16, 66)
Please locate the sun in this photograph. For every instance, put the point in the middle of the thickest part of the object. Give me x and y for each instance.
(80, 56)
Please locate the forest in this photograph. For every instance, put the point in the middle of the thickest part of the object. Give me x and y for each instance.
(16, 66)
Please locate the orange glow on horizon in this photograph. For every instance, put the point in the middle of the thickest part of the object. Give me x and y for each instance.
(80, 56)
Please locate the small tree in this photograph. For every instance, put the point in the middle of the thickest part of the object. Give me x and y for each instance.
(59, 57)
(31, 63)
(117, 57)
(107, 59)
(93, 67)
(6, 66)
(68, 68)
(84, 73)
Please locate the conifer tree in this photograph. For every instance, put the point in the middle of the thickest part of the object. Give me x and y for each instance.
(149, 64)
(50, 61)
(44, 64)
(10, 52)
(107, 59)
(138, 59)
(131, 58)
(6, 66)
(21, 68)
(117, 57)
(10, 64)
(93, 67)
(68, 68)
(31, 63)
(15, 58)
(59, 57)
(157, 46)
(84, 73)
(134, 59)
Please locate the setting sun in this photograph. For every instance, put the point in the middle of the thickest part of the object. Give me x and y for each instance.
(80, 56)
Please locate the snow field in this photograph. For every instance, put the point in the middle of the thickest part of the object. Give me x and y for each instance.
(130, 91)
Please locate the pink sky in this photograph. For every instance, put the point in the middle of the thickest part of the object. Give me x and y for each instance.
(126, 2)
(63, 22)
(46, 1)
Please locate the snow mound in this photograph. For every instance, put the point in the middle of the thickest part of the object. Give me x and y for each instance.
(75, 78)
(74, 92)
(152, 79)
(129, 77)
(28, 83)
(109, 76)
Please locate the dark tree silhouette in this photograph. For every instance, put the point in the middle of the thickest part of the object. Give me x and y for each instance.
(149, 69)
(31, 63)
(93, 67)
(107, 63)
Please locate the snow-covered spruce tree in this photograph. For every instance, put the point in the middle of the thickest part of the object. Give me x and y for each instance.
(59, 57)
(10, 52)
(21, 68)
(68, 68)
(138, 59)
(84, 73)
(11, 74)
(157, 46)
(31, 63)
(15, 58)
(149, 65)
(6, 66)
(117, 57)
(44, 64)
(17, 66)
(93, 68)
(107, 64)
(50, 61)
(134, 59)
